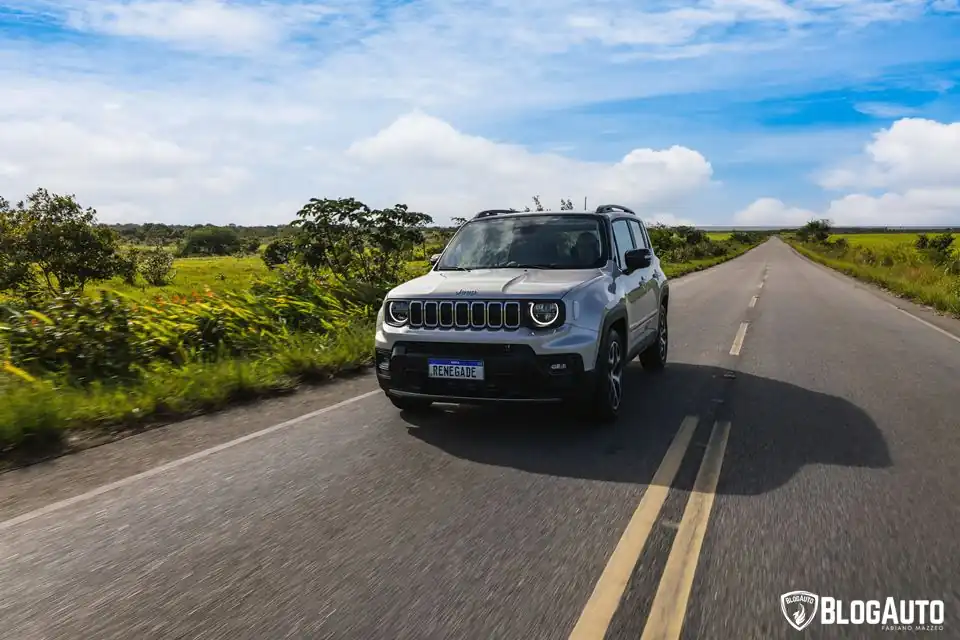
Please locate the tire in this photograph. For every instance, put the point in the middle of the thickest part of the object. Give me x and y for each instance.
(604, 407)
(413, 405)
(654, 357)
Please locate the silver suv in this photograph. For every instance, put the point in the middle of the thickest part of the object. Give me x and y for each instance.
(528, 307)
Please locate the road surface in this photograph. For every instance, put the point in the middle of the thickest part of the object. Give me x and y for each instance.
(819, 425)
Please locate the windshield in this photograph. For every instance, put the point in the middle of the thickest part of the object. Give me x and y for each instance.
(565, 241)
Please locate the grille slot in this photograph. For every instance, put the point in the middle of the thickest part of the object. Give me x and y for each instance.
(465, 315)
(446, 314)
(431, 316)
(511, 315)
(478, 315)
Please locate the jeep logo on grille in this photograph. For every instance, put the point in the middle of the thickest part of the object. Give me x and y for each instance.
(466, 292)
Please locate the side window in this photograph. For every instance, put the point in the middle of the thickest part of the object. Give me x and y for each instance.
(621, 234)
(640, 235)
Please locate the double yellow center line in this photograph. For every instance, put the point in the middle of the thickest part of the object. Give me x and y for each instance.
(670, 603)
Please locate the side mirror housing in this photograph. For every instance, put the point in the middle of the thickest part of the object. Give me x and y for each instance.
(638, 259)
(434, 258)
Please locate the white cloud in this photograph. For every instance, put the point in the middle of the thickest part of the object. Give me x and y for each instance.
(122, 107)
(431, 165)
(134, 158)
(913, 207)
(218, 26)
(772, 212)
(917, 161)
(912, 152)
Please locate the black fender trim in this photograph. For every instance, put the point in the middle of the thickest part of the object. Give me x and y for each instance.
(619, 314)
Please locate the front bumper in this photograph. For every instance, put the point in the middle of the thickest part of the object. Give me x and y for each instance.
(512, 373)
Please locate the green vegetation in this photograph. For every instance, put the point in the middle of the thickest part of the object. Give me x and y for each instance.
(922, 267)
(108, 328)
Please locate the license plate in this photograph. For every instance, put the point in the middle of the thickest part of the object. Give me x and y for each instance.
(455, 369)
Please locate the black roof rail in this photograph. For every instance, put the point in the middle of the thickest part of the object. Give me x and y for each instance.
(610, 208)
(492, 212)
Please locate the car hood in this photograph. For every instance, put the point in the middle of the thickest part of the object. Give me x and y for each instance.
(495, 283)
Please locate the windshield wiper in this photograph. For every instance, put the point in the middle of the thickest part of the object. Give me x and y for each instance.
(453, 269)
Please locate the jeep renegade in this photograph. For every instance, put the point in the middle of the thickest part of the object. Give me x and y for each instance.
(528, 307)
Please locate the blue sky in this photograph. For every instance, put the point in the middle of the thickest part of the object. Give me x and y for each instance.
(721, 112)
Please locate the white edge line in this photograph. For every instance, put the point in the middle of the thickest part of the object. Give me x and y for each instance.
(173, 464)
(922, 321)
(738, 341)
(753, 301)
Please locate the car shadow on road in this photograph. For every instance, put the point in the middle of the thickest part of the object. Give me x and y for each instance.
(777, 429)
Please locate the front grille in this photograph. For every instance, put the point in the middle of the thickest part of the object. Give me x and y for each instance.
(463, 314)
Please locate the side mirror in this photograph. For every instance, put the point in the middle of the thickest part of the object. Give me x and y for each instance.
(434, 258)
(638, 259)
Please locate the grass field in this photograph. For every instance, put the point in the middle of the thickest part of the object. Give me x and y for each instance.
(194, 274)
(718, 236)
(892, 261)
(881, 240)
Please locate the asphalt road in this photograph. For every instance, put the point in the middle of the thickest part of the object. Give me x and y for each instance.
(824, 425)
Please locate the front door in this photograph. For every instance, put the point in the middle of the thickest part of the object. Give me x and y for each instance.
(647, 305)
(630, 283)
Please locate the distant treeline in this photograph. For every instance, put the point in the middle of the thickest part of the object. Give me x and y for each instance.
(159, 233)
(895, 229)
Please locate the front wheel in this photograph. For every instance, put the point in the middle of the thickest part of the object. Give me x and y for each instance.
(412, 405)
(654, 357)
(608, 394)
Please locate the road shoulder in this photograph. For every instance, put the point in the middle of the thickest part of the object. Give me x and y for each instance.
(31, 487)
(928, 314)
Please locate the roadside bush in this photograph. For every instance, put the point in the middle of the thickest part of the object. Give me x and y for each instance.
(157, 267)
(75, 336)
(81, 339)
(940, 248)
(662, 238)
(815, 231)
(210, 241)
(277, 252)
(128, 265)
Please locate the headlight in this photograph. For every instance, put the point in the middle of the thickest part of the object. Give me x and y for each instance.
(398, 312)
(544, 314)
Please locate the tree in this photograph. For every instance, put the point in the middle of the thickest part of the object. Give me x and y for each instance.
(566, 205)
(277, 252)
(157, 266)
(354, 242)
(50, 240)
(816, 230)
(458, 221)
(211, 241)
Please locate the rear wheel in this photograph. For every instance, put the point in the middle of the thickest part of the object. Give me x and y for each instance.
(608, 394)
(654, 357)
(410, 404)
